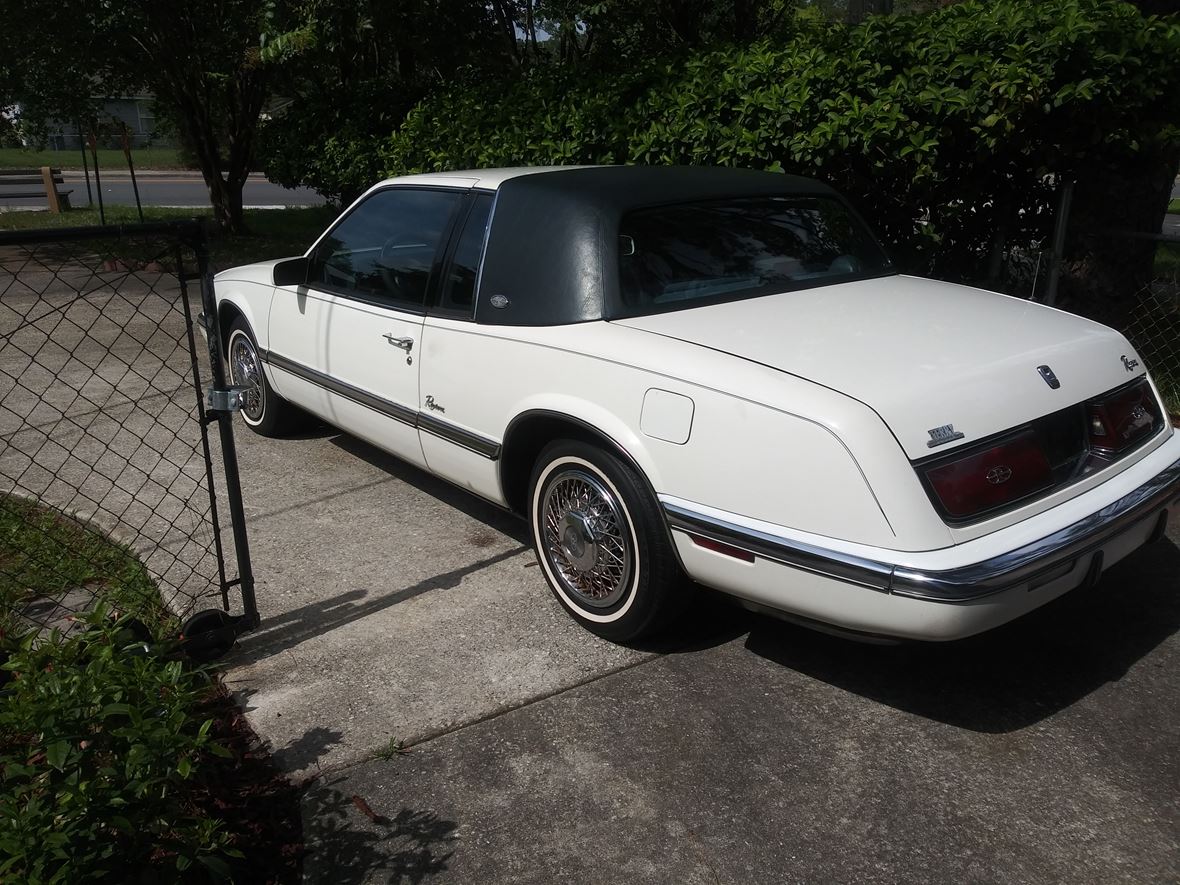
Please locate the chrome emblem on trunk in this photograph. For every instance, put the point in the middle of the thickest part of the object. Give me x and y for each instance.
(940, 436)
(998, 475)
(1128, 363)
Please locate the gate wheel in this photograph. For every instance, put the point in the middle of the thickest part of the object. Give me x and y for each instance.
(209, 635)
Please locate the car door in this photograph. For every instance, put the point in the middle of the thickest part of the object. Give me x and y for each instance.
(459, 438)
(345, 345)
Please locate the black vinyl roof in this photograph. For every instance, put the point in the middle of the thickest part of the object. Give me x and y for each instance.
(552, 250)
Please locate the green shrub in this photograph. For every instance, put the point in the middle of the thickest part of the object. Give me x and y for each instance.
(944, 128)
(98, 742)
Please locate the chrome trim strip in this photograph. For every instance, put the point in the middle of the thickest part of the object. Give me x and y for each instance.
(965, 583)
(481, 445)
(817, 560)
(394, 410)
(474, 442)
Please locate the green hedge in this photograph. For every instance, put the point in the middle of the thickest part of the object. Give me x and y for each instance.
(942, 128)
(100, 740)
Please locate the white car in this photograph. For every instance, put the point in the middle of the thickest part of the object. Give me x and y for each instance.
(714, 373)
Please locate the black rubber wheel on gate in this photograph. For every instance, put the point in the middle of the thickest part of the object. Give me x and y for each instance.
(601, 542)
(265, 412)
(208, 635)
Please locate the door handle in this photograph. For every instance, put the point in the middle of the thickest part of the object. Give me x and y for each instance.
(406, 344)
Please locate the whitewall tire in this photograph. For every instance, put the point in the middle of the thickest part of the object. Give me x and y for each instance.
(601, 543)
(264, 411)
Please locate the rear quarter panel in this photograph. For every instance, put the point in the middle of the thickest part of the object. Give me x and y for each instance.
(759, 455)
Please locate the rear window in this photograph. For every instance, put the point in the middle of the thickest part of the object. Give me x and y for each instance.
(679, 256)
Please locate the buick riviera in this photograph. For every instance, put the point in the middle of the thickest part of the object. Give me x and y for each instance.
(717, 374)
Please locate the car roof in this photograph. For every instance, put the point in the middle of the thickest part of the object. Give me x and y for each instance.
(624, 178)
(553, 236)
(489, 179)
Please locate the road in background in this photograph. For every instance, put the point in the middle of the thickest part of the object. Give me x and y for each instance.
(172, 189)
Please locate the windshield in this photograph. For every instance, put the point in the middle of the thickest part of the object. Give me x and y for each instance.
(689, 254)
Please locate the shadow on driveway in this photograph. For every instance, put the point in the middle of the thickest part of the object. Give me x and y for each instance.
(287, 630)
(1011, 677)
(477, 508)
(409, 847)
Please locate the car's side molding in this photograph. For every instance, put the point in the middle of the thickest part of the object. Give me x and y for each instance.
(431, 424)
(468, 439)
(958, 585)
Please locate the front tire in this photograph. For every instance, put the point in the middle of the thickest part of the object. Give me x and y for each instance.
(601, 542)
(265, 412)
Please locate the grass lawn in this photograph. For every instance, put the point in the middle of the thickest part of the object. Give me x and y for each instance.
(108, 158)
(1167, 261)
(46, 554)
(1174, 206)
(273, 233)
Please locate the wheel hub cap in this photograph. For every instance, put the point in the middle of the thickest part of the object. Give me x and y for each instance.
(578, 542)
(243, 370)
(586, 539)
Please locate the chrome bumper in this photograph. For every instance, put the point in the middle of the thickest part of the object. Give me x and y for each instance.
(1024, 565)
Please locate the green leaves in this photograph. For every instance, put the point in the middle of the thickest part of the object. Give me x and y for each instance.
(56, 753)
(943, 128)
(97, 748)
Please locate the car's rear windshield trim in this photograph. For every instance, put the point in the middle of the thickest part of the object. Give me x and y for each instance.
(728, 297)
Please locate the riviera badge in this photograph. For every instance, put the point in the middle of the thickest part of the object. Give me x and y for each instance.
(940, 436)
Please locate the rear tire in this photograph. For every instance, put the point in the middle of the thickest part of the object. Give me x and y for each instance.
(265, 412)
(601, 542)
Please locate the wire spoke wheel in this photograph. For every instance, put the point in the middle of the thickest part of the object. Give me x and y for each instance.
(586, 538)
(245, 372)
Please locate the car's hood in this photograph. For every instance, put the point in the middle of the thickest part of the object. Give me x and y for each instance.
(921, 353)
(259, 272)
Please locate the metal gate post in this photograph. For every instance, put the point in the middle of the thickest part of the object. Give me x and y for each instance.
(219, 396)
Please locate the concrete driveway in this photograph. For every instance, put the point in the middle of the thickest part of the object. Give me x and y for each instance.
(399, 610)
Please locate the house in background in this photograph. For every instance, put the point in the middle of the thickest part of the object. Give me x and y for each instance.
(137, 111)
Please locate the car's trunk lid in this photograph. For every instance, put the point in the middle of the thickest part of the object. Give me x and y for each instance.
(922, 354)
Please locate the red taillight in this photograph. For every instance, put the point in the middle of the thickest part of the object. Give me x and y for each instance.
(1121, 420)
(991, 478)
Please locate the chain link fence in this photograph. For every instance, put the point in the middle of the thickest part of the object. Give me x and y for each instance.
(1154, 330)
(1153, 319)
(107, 468)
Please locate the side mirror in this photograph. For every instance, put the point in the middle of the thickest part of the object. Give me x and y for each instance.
(291, 272)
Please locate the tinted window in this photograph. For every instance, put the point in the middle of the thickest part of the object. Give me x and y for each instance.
(385, 248)
(677, 256)
(458, 293)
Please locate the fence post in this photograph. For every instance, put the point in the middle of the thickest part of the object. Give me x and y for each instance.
(85, 166)
(225, 429)
(1065, 199)
(102, 215)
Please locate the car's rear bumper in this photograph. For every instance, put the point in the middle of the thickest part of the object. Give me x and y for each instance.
(939, 594)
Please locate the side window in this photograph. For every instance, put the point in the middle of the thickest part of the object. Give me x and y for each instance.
(458, 289)
(385, 248)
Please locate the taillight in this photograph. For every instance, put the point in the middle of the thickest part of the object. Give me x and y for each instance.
(990, 478)
(1122, 419)
(1048, 453)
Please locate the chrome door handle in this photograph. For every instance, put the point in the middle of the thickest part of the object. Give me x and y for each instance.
(406, 344)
